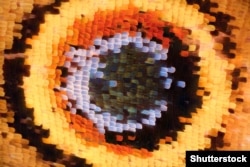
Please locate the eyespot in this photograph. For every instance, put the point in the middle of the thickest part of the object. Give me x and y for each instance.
(48, 61)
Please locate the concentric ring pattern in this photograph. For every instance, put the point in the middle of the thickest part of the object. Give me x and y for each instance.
(122, 83)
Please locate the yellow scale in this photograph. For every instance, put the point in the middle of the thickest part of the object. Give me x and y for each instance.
(207, 120)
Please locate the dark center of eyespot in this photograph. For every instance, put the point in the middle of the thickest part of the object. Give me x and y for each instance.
(133, 85)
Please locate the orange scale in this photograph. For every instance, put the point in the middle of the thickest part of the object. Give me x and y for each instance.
(184, 53)
(78, 118)
(157, 35)
(160, 32)
(118, 150)
(123, 14)
(61, 41)
(72, 118)
(88, 144)
(95, 139)
(75, 126)
(75, 32)
(67, 116)
(112, 32)
(85, 35)
(51, 78)
(177, 32)
(114, 147)
(64, 104)
(154, 29)
(57, 82)
(111, 148)
(165, 42)
(103, 15)
(96, 135)
(77, 25)
(116, 16)
(51, 85)
(78, 129)
(106, 33)
(125, 29)
(116, 23)
(136, 153)
(134, 22)
(133, 28)
(88, 136)
(58, 103)
(88, 23)
(101, 27)
(66, 47)
(96, 23)
(147, 25)
(97, 14)
(132, 33)
(127, 149)
(168, 139)
(108, 147)
(147, 154)
(109, 16)
(149, 34)
(86, 43)
(60, 47)
(142, 20)
(82, 29)
(75, 38)
(70, 28)
(69, 39)
(74, 41)
(132, 138)
(118, 31)
(144, 151)
(80, 42)
(162, 141)
(126, 26)
(57, 94)
(78, 20)
(83, 128)
(101, 138)
(107, 23)
(95, 27)
(144, 154)
(93, 35)
(89, 123)
(119, 138)
(61, 62)
(84, 120)
(152, 21)
(81, 36)
(94, 144)
(106, 29)
(88, 30)
(78, 135)
(122, 11)
(161, 24)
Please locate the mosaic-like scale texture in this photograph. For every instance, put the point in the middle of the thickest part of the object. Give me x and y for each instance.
(122, 83)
